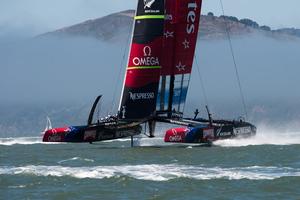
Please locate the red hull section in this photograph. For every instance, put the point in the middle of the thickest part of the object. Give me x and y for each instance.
(190, 135)
(56, 134)
(206, 134)
(176, 135)
(66, 134)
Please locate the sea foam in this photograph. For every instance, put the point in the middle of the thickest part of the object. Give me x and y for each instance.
(21, 140)
(156, 172)
(76, 159)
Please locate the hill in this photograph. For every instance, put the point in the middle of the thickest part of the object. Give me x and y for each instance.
(118, 25)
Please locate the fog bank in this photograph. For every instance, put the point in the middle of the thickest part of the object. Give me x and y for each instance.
(61, 77)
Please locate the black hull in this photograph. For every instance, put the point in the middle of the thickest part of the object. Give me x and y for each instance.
(92, 133)
(239, 130)
(101, 133)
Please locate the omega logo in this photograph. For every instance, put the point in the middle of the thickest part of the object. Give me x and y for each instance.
(147, 60)
(147, 51)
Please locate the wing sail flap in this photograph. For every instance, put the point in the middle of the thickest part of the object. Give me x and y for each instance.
(180, 37)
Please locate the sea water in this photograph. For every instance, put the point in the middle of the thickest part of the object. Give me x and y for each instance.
(264, 167)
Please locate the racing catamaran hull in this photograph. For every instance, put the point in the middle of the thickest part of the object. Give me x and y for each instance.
(93, 133)
(205, 133)
(108, 128)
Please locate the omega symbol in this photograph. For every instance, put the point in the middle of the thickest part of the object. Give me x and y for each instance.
(147, 51)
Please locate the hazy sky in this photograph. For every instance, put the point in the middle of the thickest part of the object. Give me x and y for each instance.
(29, 17)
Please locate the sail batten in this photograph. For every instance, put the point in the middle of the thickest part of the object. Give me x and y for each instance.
(149, 17)
(144, 67)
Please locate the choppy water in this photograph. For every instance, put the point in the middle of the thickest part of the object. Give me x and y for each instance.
(264, 167)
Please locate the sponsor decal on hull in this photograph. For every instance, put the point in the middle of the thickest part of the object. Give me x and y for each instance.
(208, 134)
(55, 138)
(90, 135)
(175, 138)
(223, 134)
(176, 135)
(177, 115)
(242, 130)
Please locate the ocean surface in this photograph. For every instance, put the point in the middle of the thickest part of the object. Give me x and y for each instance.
(264, 167)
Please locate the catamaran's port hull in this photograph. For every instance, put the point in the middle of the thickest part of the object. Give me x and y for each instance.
(93, 133)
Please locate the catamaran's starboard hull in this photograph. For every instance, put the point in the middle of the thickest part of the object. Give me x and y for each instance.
(94, 133)
(207, 134)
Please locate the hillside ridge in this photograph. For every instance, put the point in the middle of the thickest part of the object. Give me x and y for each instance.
(118, 25)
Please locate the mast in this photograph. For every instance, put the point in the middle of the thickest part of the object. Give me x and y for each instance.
(124, 80)
(171, 94)
(162, 93)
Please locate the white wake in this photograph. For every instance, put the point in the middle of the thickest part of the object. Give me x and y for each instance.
(265, 136)
(75, 159)
(156, 172)
(22, 141)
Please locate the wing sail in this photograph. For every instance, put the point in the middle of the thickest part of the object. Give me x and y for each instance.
(180, 37)
(138, 100)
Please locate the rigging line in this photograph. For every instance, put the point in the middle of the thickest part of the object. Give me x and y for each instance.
(234, 62)
(120, 71)
(201, 81)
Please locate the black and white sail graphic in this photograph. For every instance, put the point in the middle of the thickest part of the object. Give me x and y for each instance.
(138, 100)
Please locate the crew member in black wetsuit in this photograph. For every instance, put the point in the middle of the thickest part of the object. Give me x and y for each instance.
(196, 114)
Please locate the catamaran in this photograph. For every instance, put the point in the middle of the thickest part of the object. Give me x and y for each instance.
(156, 83)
